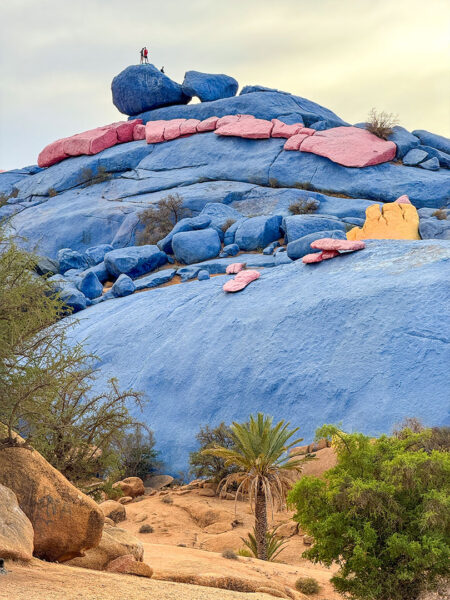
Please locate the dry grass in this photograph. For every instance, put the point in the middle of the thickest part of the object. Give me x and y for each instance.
(307, 585)
(381, 123)
(303, 207)
(159, 219)
(440, 214)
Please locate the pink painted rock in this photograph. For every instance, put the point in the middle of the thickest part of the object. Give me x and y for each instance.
(329, 244)
(294, 142)
(207, 125)
(327, 254)
(172, 129)
(309, 259)
(403, 200)
(91, 142)
(125, 130)
(350, 147)
(307, 131)
(139, 132)
(234, 268)
(154, 131)
(255, 129)
(227, 119)
(281, 130)
(52, 154)
(241, 281)
(189, 127)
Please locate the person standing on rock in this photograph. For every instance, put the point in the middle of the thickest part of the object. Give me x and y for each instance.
(142, 55)
(145, 55)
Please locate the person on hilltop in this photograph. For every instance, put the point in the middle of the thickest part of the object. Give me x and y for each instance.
(145, 55)
(142, 56)
(162, 69)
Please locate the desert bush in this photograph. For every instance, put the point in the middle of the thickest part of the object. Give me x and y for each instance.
(381, 123)
(440, 214)
(51, 192)
(275, 544)
(146, 529)
(228, 223)
(382, 513)
(5, 197)
(303, 207)
(167, 499)
(245, 552)
(136, 448)
(432, 438)
(158, 220)
(231, 554)
(211, 467)
(307, 585)
(88, 177)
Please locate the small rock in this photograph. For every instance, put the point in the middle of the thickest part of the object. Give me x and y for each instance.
(432, 164)
(125, 500)
(156, 482)
(139, 517)
(131, 486)
(114, 510)
(203, 275)
(129, 565)
(206, 492)
(414, 157)
(71, 259)
(308, 540)
(124, 286)
(287, 529)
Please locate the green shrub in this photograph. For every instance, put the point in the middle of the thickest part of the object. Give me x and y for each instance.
(382, 513)
(381, 123)
(146, 529)
(205, 465)
(245, 552)
(158, 220)
(275, 544)
(307, 585)
(304, 207)
(231, 554)
(136, 448)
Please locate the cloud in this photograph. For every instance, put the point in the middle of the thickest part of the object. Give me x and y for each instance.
(58, 57)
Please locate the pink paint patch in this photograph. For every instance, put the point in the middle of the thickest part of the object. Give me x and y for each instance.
(255, 129)
(281, 130)
(294, 142)
(307, 131)
(350, 147)
(90, 142)
(329, 244)
(241, 281)
(310, 259)
(327, 254)
(125, 130)
(189, 127)
(172, 129)
(154, 131)
(52, 154)
(207, 125)
(403, 200)
(234, 268)
(139, 132)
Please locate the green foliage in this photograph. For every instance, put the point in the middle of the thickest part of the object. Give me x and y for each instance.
(158, 221)
(303, 207)
(207, 465)
(138, 457)
(382, 514)
(245, 552)
(112, 493)
(275, 544)
(381, 123)
(307, 585)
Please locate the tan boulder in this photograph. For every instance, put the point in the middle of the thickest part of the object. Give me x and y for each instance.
(204, 515)
(287, 529)
(114, 510)
(109, 521)
(125, 500)
(16, 531)
(65, 521)
(139, 517)
(156, 482)
(223, 541)
(115, 542)
(206, 492)
(127, 564)
(219, 527)
(131, 486)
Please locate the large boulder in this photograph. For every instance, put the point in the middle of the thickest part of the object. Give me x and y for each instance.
(129, 566)
(207, 86)
(433, 139)
(194, 246)
(66, 522)
(297, 226)
(433, 228)
(71, 259)
(143, 87)
(90, 285)
(134, 260)
(114, 542)
(113, 510)
(16, 531)
(257, 232)
(131, 486)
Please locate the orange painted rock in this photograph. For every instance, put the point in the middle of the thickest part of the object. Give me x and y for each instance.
(392, 221)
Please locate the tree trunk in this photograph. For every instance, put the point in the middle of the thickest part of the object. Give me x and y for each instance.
(261, 523)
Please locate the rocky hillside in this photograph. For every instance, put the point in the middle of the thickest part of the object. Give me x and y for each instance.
(360, 339)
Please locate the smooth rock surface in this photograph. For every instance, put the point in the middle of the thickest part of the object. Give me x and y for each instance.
(302, 246)
(194, 246)
(257, 232)
(208, 87)
(16, 531)
(134, 260)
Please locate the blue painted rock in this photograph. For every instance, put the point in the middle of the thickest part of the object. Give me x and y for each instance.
(380, 363)
(207, 86)
(432, 164)
(271, 247)
(297, 226)
(195, 246)
(302, 246)
(405, 140)
(89, 284)
(71, 259)
(134, 261)
(155, 279)
(123, 286)
(203, 275)
(188, 224)
(434, 229)
(432, 139)
(414, 157)
(230, 250)
(143, 87)
(257, 232)
(443, 157)
(73, 298)
(96, 254)
(99, 270)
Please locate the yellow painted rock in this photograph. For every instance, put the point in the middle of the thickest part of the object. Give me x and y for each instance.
(394, 221)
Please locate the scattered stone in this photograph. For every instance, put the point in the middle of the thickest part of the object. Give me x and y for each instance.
(432, 164)
(128, 565)
(257, 232)
(134, 260)
(229, 250)
(123, 286)
(156, 482)
(195, 246)
(139, 517)
(432, 139)
(203, 275)
(125, 500)
(114, 510)
(287, 529)
(414, 157)
(89, 285)
(71, 259)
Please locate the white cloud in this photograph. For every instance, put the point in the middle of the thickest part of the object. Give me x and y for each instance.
(58, 57)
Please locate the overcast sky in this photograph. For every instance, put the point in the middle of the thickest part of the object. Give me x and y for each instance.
(58, 57)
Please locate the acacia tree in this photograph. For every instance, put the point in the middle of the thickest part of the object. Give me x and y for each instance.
(382, 514)
(260, 453)
(211, 466)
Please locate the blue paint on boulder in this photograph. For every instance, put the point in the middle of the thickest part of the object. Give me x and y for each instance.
(208, 87)
(89, 284)
(405, 141)
(71, 259)
(334, 348)
(134, 260)
(271, 247)
(434, 228)
(297, 226)
(99, 270)
(443, 158)
(219, 265)
(302, 246)
(194, 246)
(203, 275)
(231, 232)
(188, 224)
(432, 164)
(230, 250)
(96, 254)
(144, 87)
(257, 232)
(414, 157)
(155, 279)
(433, 139)
(123, 286)
(73, 298)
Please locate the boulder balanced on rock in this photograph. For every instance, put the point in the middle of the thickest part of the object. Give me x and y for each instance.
(208, 87)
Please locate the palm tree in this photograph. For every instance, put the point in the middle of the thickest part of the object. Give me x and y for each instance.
(261, 454)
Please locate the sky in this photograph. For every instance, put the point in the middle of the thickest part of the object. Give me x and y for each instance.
(58, 58)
